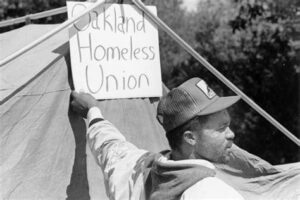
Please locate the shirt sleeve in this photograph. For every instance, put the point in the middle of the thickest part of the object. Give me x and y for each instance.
(116, 156)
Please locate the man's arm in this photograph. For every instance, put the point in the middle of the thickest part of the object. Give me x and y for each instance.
(116, 157)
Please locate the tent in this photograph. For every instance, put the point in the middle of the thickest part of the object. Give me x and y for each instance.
(43, 147)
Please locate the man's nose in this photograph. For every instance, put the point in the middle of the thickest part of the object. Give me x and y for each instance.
(229, 134)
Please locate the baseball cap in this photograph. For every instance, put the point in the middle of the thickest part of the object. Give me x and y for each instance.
(190, 99)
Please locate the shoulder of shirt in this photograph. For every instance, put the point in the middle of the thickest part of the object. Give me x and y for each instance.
(201, 162)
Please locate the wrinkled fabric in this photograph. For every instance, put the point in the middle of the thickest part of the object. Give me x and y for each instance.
(256, 179)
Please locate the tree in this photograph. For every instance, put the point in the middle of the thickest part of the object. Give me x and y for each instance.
(10, 9)
(175, 17)
(252, 50)
(271, 64)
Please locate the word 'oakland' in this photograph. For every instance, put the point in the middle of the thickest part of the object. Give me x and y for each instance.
(109, 20)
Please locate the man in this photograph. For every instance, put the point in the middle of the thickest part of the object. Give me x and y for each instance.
(197, 128)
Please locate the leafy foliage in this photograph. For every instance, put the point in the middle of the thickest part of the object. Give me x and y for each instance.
(16, 8)
(253, 51)
(176, 18)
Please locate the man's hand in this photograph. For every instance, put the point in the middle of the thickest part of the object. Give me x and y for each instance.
(82, 102)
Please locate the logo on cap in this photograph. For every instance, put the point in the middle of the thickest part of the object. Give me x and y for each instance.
(205, 89)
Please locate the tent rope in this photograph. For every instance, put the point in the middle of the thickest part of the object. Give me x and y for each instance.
(214, 71)
(180, 41)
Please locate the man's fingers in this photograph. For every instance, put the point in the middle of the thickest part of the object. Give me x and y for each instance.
(76, 107)
(74, 94)
(73, 105)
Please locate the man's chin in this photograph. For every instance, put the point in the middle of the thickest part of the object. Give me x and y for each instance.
(225, 158)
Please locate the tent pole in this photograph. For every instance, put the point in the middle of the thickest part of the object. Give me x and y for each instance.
(50, 34)
(220, 76)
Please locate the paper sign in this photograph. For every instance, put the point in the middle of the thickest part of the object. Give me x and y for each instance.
(114, 52)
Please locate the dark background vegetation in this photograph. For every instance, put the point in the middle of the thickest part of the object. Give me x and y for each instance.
(251, 42)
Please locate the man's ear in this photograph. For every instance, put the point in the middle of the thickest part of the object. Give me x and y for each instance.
(190, 137)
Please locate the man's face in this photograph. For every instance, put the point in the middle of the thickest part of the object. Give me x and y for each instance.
(214, 138)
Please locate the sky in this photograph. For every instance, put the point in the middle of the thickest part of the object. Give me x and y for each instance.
(190, 4)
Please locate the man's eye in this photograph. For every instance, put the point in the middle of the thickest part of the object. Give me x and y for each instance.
(222, 128)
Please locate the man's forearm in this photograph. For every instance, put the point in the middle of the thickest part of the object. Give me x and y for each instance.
(101, 132)
(116, 157)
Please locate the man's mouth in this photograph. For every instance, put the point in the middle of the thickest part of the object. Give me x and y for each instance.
(229, 145)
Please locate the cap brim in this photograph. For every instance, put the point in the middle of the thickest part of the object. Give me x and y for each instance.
(220, 104)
